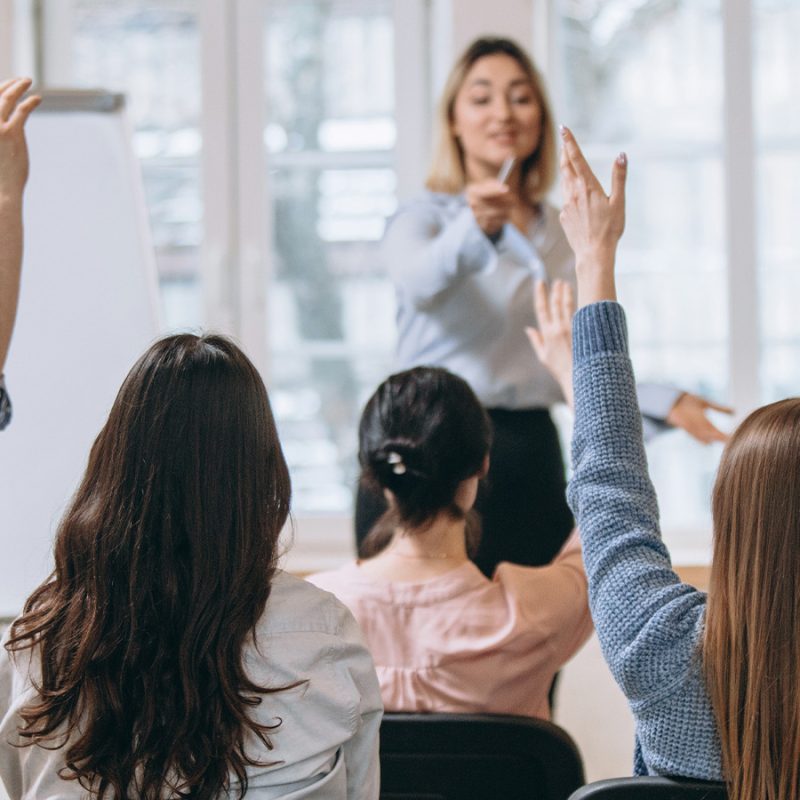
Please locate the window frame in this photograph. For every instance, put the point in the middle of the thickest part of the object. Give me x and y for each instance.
(236, 258)
(236, 252)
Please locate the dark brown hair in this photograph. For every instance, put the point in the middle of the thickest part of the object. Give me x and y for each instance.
(447, 172)
(751, 650)
(421, 434)
(163, 566)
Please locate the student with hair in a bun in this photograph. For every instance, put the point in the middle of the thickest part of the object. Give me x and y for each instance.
(445, 637)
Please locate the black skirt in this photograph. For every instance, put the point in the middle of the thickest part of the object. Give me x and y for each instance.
(522, 501)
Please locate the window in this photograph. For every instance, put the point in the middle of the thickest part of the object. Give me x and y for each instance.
(330, 134)
(707, 110)
(777, 132)
(267, 214)
(647, 78)
(150, 51)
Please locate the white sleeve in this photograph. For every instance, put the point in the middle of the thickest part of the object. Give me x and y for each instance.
(425, 254)
(361, 751)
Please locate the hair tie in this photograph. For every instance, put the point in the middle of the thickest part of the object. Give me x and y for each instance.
(396, 460)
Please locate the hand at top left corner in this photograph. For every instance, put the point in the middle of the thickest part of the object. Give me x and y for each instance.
(14, 112)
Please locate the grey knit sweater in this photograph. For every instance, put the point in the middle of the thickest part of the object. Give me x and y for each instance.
(649, 623)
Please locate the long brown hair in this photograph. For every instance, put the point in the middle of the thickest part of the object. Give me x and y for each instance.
(163, 564)
(447, 172)
(752, 639)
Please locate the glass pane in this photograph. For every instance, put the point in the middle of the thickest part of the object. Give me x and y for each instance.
(646, 77)
(329, 138)
(151, 52)
(777, 122)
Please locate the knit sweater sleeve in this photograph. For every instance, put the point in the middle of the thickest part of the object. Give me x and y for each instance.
(648, 622)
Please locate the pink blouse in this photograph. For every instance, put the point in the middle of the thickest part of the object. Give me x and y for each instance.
(463, 643)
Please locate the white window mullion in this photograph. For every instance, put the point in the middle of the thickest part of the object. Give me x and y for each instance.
(53, 41)
(544, 46)
(219, 253)
(740, 192)
(412, 101)
(255, 218)
(7, 50)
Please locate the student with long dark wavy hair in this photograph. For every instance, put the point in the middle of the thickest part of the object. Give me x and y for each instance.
(445, 637)
(713, 680)
(166, 655)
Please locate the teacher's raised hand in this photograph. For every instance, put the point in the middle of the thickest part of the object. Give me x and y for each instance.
(592, 220)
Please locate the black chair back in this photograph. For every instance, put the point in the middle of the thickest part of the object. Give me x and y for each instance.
(651, 789)
(476, 757)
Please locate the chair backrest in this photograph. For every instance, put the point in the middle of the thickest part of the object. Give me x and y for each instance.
(475, 757)
(651, 789)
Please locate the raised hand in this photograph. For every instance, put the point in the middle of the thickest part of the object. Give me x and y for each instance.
(13, 175)
(592, 220)
(552, 339)
(13, 149)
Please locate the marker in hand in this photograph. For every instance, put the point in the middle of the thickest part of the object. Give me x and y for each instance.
(505, 170)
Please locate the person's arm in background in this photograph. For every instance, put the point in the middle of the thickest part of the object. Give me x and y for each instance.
(662, 407)
(425, 252)
(552, 343)
(13, 175)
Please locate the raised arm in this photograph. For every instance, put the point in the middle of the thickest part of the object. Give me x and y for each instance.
(646, 619)
(13, 175)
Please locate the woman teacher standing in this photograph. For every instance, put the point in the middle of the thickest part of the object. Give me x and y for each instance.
(464, 257)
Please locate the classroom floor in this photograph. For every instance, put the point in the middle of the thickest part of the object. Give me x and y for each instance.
(591, 707)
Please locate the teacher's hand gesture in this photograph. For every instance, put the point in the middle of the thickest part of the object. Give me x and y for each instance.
(491, 202)
(592, 220)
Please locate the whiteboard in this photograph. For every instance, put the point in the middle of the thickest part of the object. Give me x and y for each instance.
(88, 308)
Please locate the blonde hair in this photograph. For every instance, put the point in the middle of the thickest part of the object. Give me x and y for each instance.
(447, 172)
(751, 650)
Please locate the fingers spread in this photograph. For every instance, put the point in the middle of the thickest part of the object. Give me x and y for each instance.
(717, 407)
(565, 165)
(11, 95)
(577, 160)
(23, 110)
